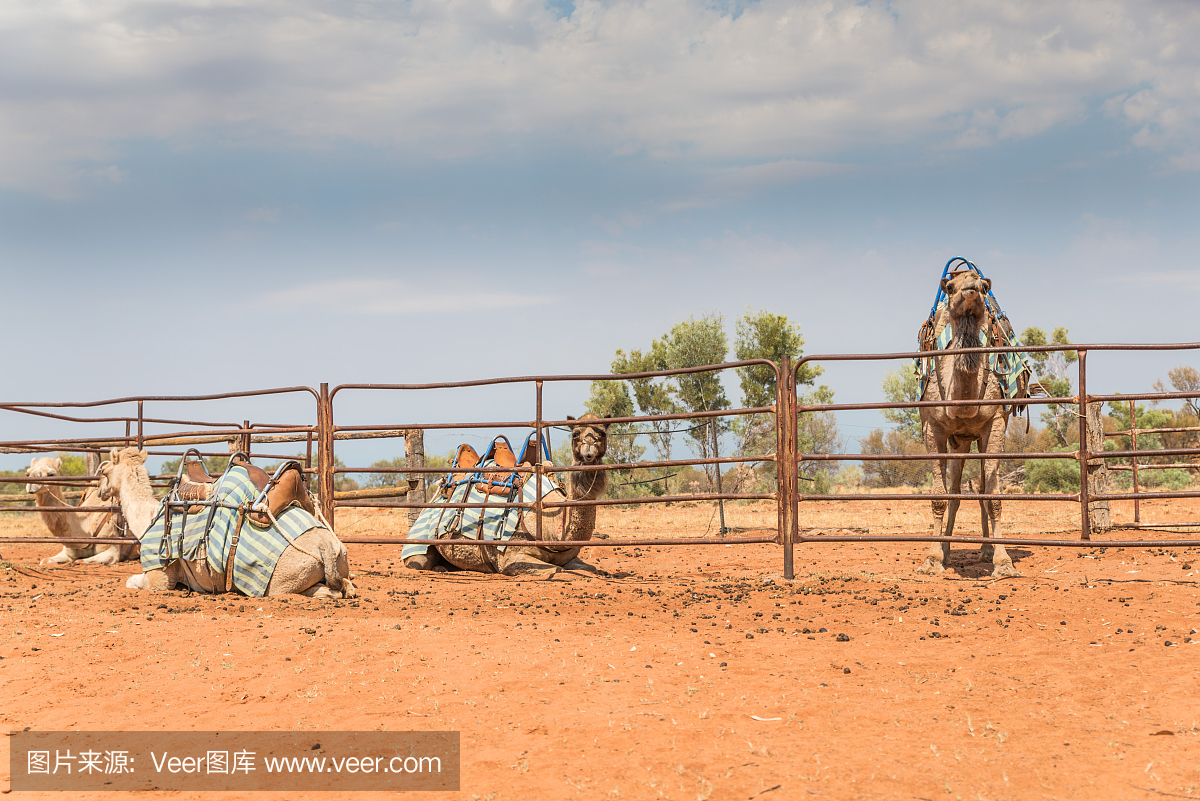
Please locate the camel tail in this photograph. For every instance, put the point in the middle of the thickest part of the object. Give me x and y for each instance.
(332, 580)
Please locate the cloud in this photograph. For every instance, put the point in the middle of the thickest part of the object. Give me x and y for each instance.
(781, 82)
(262, 214)
(384, 296)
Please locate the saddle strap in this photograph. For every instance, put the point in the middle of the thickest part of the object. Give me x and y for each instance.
(233, 544)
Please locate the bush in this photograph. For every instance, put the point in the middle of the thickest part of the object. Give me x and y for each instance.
(1052, 475)
(1172, 479)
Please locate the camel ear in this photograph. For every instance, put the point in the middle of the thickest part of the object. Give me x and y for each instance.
(57, 464)
(114, 456)
(987, 285)
(946, 285)
(569, 417)
(141, 455)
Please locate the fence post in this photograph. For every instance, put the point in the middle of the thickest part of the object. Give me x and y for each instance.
(537, 468)
(1099, 512)
(325, 461)
(1085, 523)
(785, 461)
(1137, 506)
(414, 456)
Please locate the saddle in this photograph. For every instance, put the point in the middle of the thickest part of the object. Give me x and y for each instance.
(502, 479)
(275, 492)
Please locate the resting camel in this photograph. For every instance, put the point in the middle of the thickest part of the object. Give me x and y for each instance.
(952, 429)
(73, 524)
(316, 565)
(589, 443)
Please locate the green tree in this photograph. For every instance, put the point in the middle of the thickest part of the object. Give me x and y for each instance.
(73, 464)
(611, 399)
(653, 396)
(1051, 370)
(696, 343)
(764, 335)
(378, 480)
(900, 386)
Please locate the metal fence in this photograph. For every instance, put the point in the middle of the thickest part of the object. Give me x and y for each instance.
(786, 411)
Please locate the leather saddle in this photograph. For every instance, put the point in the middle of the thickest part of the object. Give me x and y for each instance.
(499, 478)
(276, 493)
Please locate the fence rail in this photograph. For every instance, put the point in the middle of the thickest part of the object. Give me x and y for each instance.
(323, 433)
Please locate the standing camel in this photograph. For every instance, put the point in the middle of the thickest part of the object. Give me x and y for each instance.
(952, 429)
(589, 443)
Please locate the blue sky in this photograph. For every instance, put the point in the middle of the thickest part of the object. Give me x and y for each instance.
(356, 185)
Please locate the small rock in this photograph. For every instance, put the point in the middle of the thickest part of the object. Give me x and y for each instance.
(843, 638)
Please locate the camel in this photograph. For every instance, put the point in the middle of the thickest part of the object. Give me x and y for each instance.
(73, 524)
(589, 443)
(952, 429)
(316, 564)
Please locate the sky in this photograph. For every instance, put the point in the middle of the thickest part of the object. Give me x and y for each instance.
(218, 196)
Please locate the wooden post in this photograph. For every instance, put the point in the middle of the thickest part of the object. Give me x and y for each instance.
(325, 459)
(716, 450)
(1098, 511)
(787, 485)
(414, 456)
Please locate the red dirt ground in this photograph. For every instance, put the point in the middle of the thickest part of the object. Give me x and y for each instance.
(681, 673)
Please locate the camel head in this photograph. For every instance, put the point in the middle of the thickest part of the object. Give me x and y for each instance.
(42, 467)
(589, 439)
(965, 292)
(124, 467)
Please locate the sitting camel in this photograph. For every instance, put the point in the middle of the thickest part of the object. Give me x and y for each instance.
(589, 443)
(316, 564)
(952, 429)
(74, 525)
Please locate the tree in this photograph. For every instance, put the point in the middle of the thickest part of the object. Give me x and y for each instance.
(900, 386)
(1183, 379)
(696, 343)
(763, 335)
(378, 480)
(894, 473)
(1051, 369)
(611, 399)
(653, 395)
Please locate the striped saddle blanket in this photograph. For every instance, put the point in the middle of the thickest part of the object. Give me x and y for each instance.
(180, 535)
(491, 523)
(1008, 367)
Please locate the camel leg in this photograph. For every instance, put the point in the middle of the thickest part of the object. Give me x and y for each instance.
(152, 580)
(109, 556)
(514, 563)
(430, 560)
(939, 552)
(321, 591)
(1001, 562)
(69, 555)
(955, 470)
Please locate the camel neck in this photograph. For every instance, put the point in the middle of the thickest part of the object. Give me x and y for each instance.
(138, 503)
